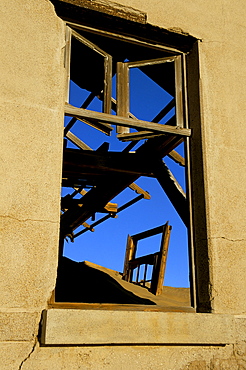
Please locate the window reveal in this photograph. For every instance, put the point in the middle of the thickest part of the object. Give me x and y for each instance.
(97, 176)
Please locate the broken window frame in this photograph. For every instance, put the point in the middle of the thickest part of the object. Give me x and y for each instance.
(122, 120)
(123, 88)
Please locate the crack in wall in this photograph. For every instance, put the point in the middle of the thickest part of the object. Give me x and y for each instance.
(36, 341)
(29, 354)
(28, 219)
(225, 238)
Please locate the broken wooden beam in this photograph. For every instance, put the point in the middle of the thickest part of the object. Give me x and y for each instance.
(85, 114)
(78, 163)
(173, 190)
(110, 185)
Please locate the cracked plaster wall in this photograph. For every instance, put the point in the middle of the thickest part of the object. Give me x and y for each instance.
(31, 100)
(31, 103)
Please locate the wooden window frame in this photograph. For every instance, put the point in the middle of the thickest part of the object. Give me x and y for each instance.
(148, 129)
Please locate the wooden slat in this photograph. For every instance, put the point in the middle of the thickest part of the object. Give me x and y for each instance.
(130, 254)
(132, 136)
(179, 92)
(107, 93)
(149, 62)
(177, 157)
(122, 87)
(75, 140)
(122, 121)
(101, 126)
(148, 233)
(157, 284)
(139, 190)
(147, 259)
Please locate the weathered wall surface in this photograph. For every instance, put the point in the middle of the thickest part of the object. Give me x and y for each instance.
(31, 105)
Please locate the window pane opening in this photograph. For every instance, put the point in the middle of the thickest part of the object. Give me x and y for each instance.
(119, 184)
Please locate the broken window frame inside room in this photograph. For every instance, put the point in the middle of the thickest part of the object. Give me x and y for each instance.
(160, 139)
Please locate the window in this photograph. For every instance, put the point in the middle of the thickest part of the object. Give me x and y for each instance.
(111, 80)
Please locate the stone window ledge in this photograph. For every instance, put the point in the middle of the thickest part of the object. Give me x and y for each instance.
(97, 327)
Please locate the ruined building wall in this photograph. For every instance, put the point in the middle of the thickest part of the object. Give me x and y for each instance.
(31, 102)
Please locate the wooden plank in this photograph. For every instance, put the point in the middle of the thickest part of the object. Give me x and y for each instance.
(100, 126)
(76, 141)
(131, 247)
(122, 121)
(112, 9)
(149, 62)
(148, 233)
(147, 259)
(157, 284)
(122, 88)
(177, 157)
(107, 93)
(179, 92)
(139, 190)
(132, 136)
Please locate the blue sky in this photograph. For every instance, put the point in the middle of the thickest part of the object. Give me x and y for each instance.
(106, 245)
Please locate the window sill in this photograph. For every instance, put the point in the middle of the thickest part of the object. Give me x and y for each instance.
(106, 327)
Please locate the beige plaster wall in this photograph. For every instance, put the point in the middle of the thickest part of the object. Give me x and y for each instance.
(138, 358)
(31, 102)
(31, 107)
